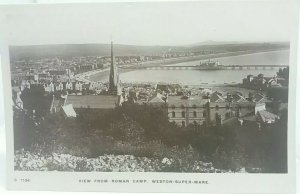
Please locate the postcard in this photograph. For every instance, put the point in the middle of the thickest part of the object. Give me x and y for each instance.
(175, 97)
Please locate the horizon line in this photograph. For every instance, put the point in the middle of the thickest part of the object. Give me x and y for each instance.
(203, 43)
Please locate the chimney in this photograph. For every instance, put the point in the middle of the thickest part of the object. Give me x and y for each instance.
(229, 97)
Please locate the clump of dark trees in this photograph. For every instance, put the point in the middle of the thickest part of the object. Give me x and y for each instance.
(284, 73)
(280, 94)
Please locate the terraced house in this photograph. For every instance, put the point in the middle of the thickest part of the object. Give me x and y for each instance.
(186, 110)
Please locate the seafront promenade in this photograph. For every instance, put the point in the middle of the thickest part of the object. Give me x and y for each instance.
(84, 77)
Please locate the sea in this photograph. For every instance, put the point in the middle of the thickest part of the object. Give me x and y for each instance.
(200, 77)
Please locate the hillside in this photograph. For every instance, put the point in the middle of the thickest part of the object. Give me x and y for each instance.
(69, 50)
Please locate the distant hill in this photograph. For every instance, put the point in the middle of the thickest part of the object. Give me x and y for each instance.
(69, 50)
(232, 47)
(212, 42)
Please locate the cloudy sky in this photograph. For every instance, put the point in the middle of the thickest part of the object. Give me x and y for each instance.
(149, 23)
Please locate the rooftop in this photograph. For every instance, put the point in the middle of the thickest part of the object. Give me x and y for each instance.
(93, 101)
(216, 97)
(267, 117)
(258, 97)
(238, 98)
(157, 98)
(178, 101)
(69, 110)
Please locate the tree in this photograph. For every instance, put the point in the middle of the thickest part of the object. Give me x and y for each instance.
(278, 94)
(35, 99)
(276, 146)
(284, 73)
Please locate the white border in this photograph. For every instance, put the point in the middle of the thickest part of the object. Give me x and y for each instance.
(225, 183)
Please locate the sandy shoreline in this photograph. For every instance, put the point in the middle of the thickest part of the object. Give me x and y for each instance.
(171, 61)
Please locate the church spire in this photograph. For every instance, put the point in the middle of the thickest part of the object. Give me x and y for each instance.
(113, 76)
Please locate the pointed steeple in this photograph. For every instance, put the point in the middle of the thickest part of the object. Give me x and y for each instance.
(113, 76)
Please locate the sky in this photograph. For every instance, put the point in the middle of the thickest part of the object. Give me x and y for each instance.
(148, 23)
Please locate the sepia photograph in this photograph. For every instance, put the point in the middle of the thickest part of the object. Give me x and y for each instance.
(159, 87)
(211, 107)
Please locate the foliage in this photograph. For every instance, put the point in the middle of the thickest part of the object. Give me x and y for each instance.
(278, 94)
(144, 131)
(36, 99)
(266, 147)
(24, 131)
(284, 73)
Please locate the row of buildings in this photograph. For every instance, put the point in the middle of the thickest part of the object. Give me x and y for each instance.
(187, 110)
(262, 82)
(62, 69)
(215, 109)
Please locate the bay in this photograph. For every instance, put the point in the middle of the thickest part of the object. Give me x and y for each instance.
(198, 77)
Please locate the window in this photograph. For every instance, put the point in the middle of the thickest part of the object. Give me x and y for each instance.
(227, 115)
(183, 114)
(218, 119)
(204, 113)
(195, 114)
(173, 114)
(216, 115)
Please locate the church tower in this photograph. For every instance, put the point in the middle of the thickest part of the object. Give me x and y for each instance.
(114, 86)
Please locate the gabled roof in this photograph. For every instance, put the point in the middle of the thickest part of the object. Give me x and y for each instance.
(238, 98)
(93, 101)
(158, 98)
(192, 101)
(258, 98)
(267, 117)
(216, 97)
